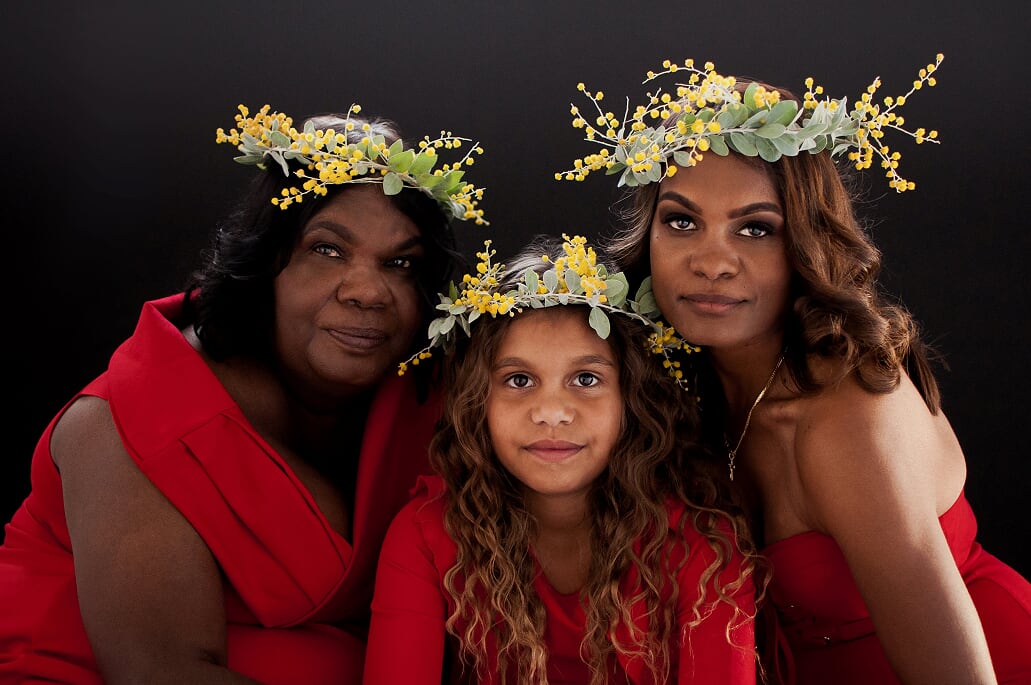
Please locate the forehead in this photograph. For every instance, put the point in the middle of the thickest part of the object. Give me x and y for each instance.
(363, 213)
(730, 178)
(552, 332)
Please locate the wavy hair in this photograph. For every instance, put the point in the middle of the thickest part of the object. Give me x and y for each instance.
(838, 310)
(656, 459)
(231, 303)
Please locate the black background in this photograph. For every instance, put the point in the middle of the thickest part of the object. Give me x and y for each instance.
(112, 181)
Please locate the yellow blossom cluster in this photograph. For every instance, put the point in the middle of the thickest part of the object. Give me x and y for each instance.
(873, 120)
(354, 154)
(479, 291)
(581, 259)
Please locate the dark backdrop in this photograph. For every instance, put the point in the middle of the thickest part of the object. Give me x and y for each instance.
(111, 178)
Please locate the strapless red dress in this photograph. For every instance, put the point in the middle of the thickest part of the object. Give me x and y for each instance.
(826, 623)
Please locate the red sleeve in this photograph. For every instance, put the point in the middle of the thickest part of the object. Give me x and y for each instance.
(707, 655)
(409, 608)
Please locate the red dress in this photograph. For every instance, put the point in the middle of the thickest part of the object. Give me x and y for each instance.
(297, 594)
(829, 629)
(408, 640)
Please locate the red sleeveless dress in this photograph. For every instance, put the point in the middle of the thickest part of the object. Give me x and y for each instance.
(828, 627)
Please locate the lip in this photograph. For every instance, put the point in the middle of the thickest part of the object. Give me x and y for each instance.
(712, 303)
(553, 450)
(359, 338)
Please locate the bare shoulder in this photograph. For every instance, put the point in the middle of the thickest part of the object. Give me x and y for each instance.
(857, 450)
(86, 425)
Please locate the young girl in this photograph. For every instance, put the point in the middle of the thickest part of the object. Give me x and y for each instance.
(571, 536)
(819, 392)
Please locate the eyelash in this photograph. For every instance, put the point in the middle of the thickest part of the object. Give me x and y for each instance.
(578, 380)
(405, 263)
(674, 219)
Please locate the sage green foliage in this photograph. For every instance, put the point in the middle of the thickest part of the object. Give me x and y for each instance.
(766, 131)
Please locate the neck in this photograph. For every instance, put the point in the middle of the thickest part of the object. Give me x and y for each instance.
(744, 372)
(556, 516)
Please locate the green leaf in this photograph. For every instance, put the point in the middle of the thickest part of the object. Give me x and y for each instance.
(247, 159)
(435, 325)
(756, 120)
(452, 291)
(531, 279)
(615, 168)
(599, 322)
(682, 158)
(783, 112)
(448, 324)
(770, 130)
(616, 289)
(423, 163)
(396, 147)
(718, 145)
(392, 184)
(427, 181)
(647, 303)
(279, 139)
(452, 180)
(402, 161)
(767, 150)
(742, 142)
(573, 281)
(550, 280)
(643, 289)
(787, 144)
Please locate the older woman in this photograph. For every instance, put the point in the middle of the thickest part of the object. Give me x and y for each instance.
(211, 507)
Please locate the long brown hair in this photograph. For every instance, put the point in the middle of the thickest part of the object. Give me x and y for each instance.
(838, 310)
(656, 458)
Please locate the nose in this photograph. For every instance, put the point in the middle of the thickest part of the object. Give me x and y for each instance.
(713, 258)
(364, 286)
(551, 409)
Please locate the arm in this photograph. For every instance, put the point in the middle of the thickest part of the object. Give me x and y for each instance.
(875, 470)
(149, 590)
(712, 653)
(409, 610)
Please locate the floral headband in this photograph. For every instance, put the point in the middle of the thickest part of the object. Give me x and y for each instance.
(574, 278)
(328, 157)
(708, 113)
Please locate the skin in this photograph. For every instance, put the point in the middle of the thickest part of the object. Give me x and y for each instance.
(873, 471)
(554, 413)
(346, 311)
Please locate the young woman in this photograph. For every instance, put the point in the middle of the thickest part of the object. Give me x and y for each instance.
(210, 509)
(573, 534)
(819, 392)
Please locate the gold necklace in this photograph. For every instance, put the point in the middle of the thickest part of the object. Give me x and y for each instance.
(732, 453)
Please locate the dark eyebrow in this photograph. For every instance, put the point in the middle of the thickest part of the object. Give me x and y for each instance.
(740, 211)
(585, 360)
(348, 235)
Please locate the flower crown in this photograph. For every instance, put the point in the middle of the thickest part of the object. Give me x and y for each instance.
(332, 156)
(708, 113)
(574, 278)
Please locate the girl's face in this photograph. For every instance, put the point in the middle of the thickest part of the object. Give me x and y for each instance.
(719, 264)
(555, 409)
(347, 305)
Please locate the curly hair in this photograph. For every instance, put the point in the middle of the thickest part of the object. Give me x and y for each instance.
(838, 310)
(656, 459)
(231, 303)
